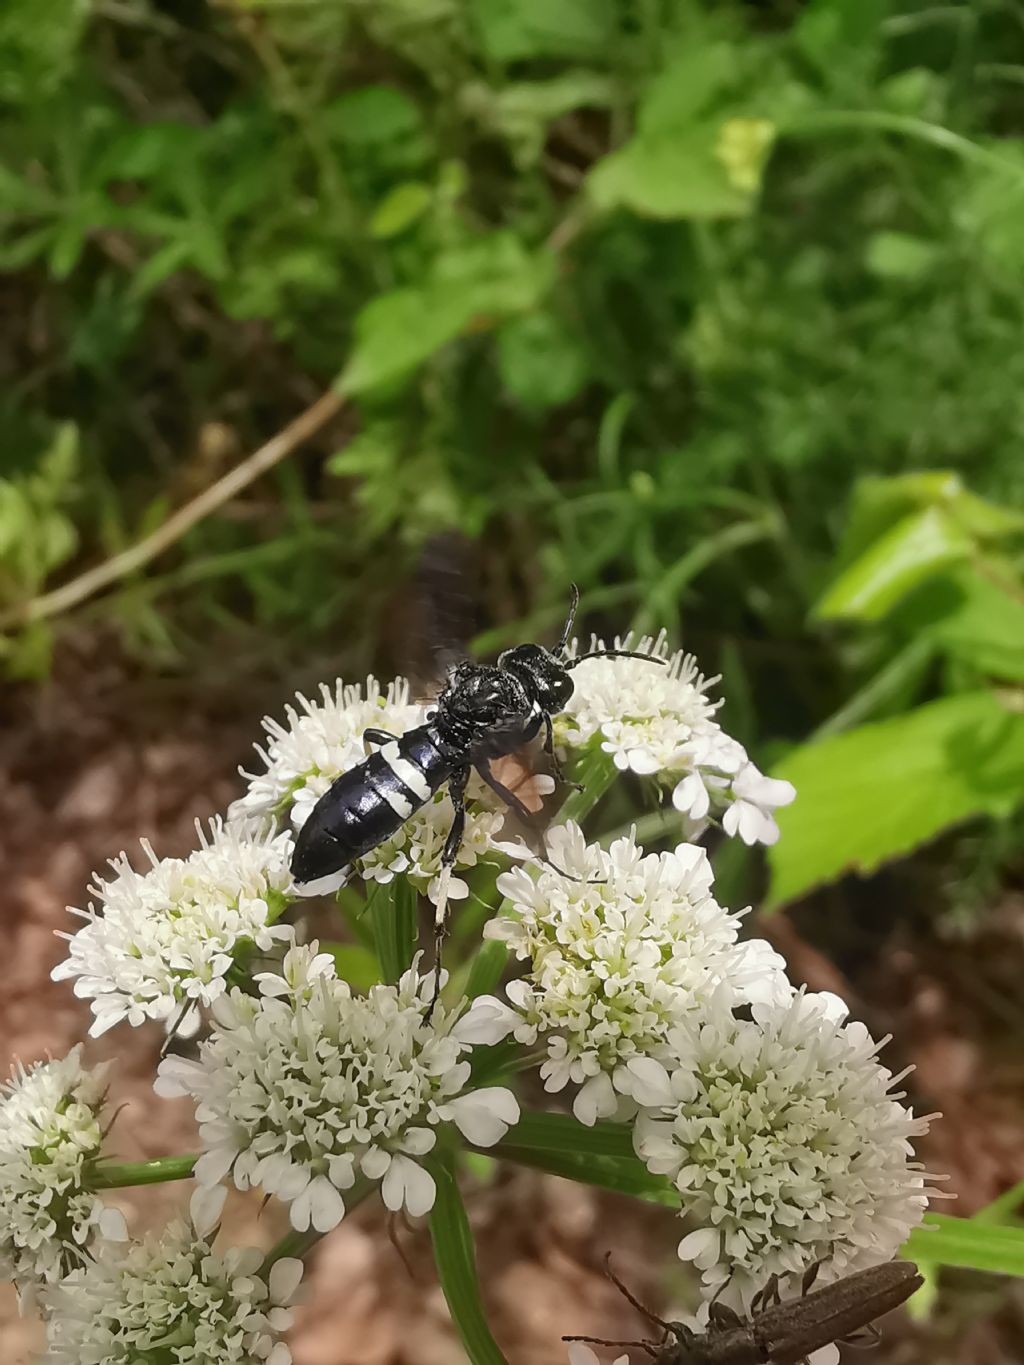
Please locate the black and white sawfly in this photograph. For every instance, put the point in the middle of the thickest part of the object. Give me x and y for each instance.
(483, 713)
(777, 1331)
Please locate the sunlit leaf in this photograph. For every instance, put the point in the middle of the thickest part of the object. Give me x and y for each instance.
(878, 505)
(671, 175)
(474, 286)
(400, 208)
(901, 256)
(907, 554)
(880, 790)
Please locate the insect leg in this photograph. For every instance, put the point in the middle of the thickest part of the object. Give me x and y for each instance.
(483, 767)
(507, 795)
(457, 792)
(767, 1296)
(549, 749)
(172, 1031)
(810, 1275)
(649, 1347)
(723, 1318)
(868, 1335)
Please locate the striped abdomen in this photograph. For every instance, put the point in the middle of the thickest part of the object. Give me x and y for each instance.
(370, 803)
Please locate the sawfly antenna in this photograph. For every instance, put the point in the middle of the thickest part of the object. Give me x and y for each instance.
(570, 620)
(614, 654)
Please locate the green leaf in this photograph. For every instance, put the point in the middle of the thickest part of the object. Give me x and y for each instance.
(392, 908)
(921, 1305)
(899, 561)
(455, 1257)
(972, 616)
(37, 46)
(879, 504)
(900, 256)
(622, 1176)
(28, 654)
(371, 115)
(989, 203)
(967, 1242)
(540, 361)
(148, 151)
(355, 964)
(843, 38)
(1004, 1208)
(514, 30)
(400, 208)
(551, 1132)
(687, 174)
(475, 285)
(876, 792)
(685, 87)
(602, 1155)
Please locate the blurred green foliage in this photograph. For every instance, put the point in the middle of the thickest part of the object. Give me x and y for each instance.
(638, 292)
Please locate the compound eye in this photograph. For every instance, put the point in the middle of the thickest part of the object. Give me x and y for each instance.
(561, 690)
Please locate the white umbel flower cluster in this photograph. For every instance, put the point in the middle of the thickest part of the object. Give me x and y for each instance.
(783, 1138)
(50, 1130)
(621, 950)
(324, 739)
(303, 1089)
(164, 938)
(173, 1299)
(658, 721)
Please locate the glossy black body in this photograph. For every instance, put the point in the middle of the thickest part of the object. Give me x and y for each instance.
(369, 804)
(484, 711)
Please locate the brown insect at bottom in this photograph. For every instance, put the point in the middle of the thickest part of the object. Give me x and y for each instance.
(782, 1333)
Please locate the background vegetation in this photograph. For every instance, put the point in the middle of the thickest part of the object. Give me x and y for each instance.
(653, 295)
(714, 308)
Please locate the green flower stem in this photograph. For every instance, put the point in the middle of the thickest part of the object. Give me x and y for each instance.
(116, 1175)
(392, 909)
(824, 121)
(487, 966)
(595, 771)
(299, 1244)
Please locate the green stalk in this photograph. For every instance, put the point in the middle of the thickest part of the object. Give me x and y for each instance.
(595, 771)
(825, 121)
(117, 1175)
(299, 1244)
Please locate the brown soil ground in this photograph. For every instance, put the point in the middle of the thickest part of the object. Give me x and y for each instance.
(97, 759)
